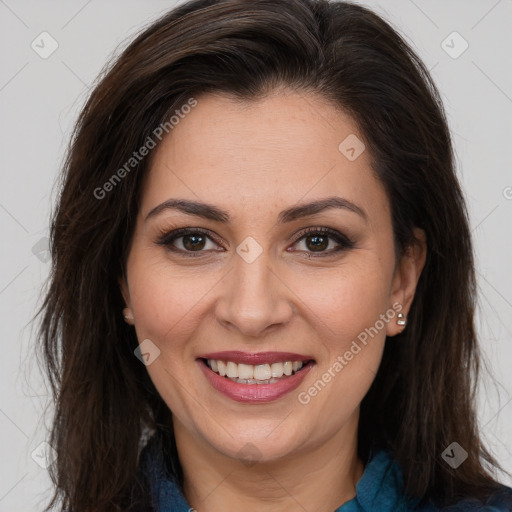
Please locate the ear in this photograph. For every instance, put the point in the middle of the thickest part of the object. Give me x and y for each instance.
(406, 277)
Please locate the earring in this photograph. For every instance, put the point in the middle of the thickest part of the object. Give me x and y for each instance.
(127, 316)
(401, 320)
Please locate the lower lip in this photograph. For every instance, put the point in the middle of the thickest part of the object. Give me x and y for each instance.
(258, 393)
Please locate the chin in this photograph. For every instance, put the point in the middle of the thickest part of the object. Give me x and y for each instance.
(252, 445)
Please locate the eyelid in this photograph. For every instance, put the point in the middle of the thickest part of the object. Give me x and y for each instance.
(167, 236)
(333, 233)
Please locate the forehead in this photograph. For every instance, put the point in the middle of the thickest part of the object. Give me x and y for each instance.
(248, 156)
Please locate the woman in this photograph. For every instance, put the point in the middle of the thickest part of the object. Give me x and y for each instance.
(262, 262)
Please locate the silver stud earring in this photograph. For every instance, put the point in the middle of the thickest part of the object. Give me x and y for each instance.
(401, 320)
(127, 317)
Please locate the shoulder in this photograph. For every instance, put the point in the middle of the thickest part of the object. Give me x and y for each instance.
(500, 501)
(163, 487)
(385, 470)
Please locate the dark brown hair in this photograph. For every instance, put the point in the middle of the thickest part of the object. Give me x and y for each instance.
(423, 396)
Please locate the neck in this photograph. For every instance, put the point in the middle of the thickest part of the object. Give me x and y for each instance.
(320, 478)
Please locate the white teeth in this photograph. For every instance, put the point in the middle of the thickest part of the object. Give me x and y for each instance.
(244, 381)
(245, 371)
(232, 369)
(277, 369)
(253, 381)
(221, 367)
(254, 374)
(262, 372)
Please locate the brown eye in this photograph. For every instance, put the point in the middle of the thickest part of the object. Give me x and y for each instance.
(193, 242)
(187, 240)
(317, 240)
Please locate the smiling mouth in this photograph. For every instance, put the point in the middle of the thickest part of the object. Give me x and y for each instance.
(267, 373)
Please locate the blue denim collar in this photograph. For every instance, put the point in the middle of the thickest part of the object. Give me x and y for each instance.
(380, 489)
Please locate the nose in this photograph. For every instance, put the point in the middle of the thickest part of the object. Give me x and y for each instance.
(254, 298)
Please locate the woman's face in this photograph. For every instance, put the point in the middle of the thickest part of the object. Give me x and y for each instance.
(251, 283)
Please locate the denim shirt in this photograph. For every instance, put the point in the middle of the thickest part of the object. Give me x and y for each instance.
(378, 490)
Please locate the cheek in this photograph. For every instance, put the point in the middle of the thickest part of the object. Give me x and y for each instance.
(343, 302)
(168, 306)
(166, 302)
(346, 307)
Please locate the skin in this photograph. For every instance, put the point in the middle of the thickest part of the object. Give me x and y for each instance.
(255, 159)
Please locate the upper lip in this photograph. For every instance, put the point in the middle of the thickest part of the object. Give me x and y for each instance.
(237, 356)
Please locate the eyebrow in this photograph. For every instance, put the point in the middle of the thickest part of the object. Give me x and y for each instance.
(211, 212)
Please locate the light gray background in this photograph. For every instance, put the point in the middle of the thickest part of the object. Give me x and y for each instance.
(39, 101)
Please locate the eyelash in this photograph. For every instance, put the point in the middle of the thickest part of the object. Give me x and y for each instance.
(166, 238)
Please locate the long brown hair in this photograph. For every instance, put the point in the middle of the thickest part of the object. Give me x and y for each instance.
(423, 395)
